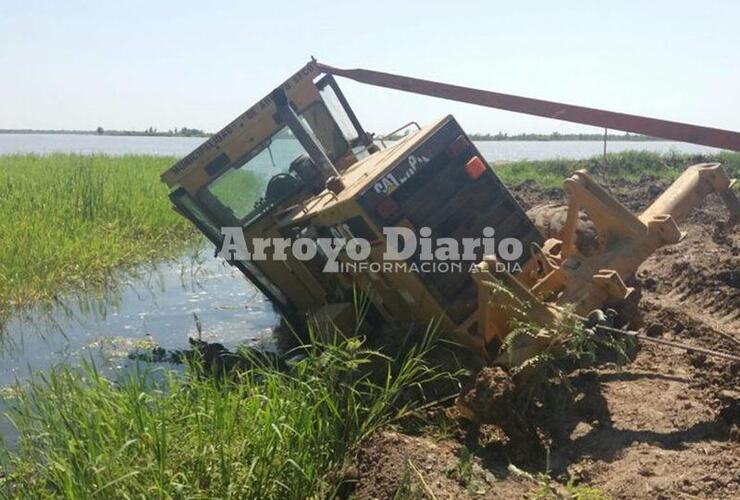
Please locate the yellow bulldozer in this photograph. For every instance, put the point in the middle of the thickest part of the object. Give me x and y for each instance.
(334, 205)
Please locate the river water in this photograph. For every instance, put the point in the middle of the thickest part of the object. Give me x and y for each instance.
(157, 306)
(180, 146)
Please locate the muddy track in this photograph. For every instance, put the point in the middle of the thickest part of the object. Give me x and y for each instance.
(664, 426)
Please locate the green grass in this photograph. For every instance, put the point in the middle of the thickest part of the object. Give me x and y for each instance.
(238, 190)
(629, 165)
(548, 489)
(263, 434)
(67, 221)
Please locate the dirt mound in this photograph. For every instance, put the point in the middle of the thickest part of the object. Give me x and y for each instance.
(665, 426)
(528, 195)
(550, 218)
(489, 397)
(700, 276)
(395, 465)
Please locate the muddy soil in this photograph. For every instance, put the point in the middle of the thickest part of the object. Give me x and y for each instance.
(663, 426)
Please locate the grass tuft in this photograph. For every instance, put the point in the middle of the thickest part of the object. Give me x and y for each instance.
(628, 165)
(262, 433)
(68, 221)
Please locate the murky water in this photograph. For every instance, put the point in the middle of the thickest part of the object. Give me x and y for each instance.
(154, 308)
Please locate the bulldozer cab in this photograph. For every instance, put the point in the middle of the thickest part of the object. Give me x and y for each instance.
(216, 185)
(245, 143)
(314, 172)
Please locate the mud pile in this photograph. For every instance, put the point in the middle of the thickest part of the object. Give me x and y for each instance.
(663, 426)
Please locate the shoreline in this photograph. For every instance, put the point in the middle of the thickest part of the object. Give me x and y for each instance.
(477, 137)
(111, 133)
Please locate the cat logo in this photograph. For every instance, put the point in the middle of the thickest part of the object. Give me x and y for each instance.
(392, 180)
(387, 184)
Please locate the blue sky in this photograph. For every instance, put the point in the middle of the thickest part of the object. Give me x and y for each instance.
(180, 63)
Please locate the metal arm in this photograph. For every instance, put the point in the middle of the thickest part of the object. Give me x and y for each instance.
(664, 129)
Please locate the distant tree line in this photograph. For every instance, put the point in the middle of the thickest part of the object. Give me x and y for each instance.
(182, 132)
(194, 132)
(557, 136)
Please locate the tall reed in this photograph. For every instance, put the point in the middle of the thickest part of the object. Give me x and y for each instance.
(264, 433)
(67, 221)
(629, 165)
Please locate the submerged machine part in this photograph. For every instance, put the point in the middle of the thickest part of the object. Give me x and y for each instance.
(339, 184)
